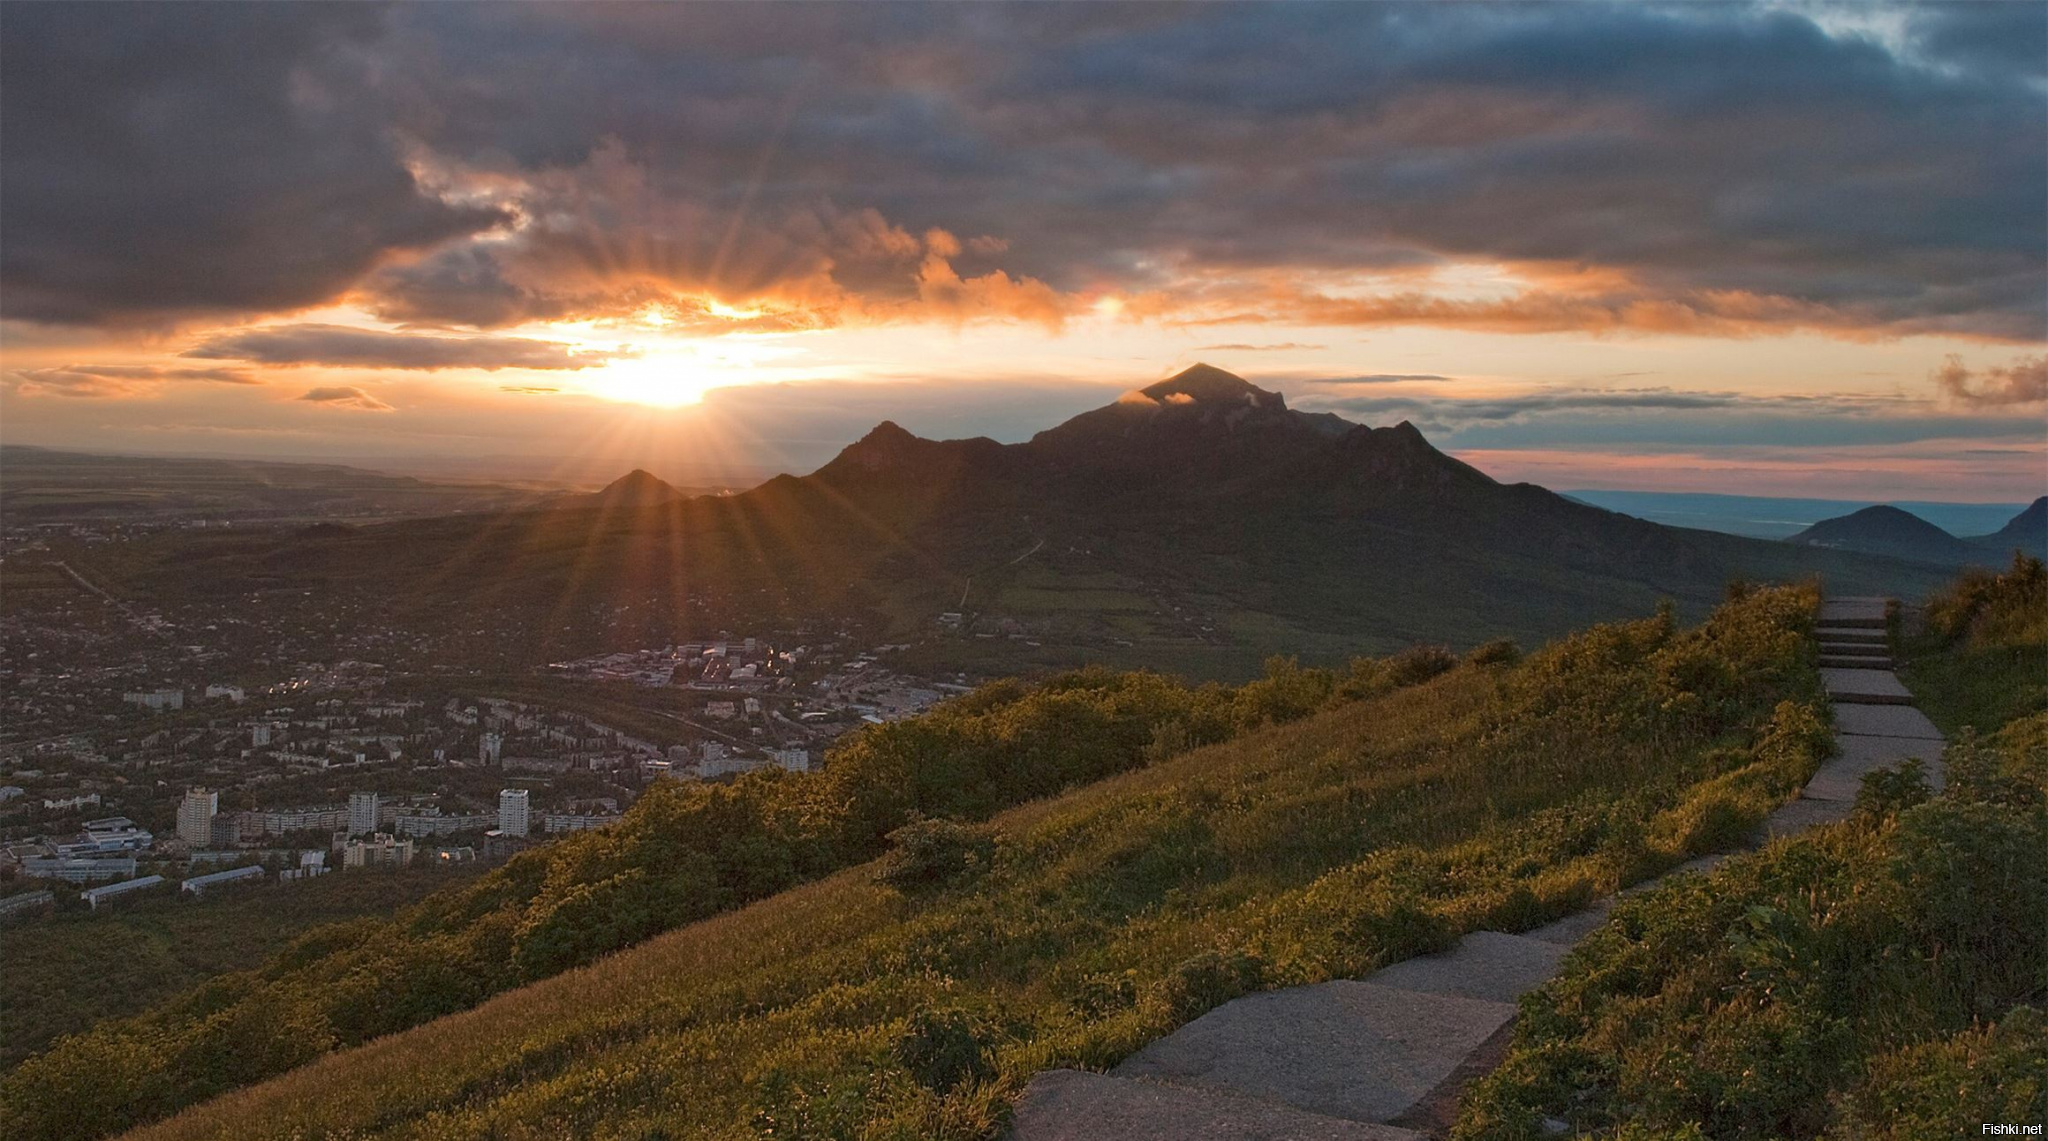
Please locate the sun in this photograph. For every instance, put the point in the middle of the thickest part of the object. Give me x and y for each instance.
(677, 372)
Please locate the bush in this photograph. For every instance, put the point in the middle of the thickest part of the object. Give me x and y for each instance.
(930, 854)
(1499, 652)
(943, 1049)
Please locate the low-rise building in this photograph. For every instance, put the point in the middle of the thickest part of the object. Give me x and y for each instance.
(553, 822)
(95, 896)
(79, 869)
(200, 885)
(25, 902)
(157, 700)
(380, 850)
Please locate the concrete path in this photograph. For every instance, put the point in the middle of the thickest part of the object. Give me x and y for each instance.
(1385, 1058)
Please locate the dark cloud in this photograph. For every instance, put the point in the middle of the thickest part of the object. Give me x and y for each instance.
(345, 396)
(168, 160)
(343, 346)
(1711, 169)
(102, 380)
(2024, 381)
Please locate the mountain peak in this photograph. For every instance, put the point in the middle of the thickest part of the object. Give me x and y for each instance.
(1207, 384)
(637, 488)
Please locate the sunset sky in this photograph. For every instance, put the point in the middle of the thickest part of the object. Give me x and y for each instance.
(1768, 249)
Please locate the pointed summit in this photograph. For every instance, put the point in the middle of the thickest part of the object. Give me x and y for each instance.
(1208, 384)
(638, 488)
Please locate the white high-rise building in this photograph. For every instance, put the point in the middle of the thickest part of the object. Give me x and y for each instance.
(195, 816)
(490, 749)
(362, 813)
(512, 811)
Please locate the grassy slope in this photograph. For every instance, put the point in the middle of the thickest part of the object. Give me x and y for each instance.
(1107, 916)
(1980, 659)
(1884, 978)
(138, 955)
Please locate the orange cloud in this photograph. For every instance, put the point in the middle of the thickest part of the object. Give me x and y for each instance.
(2024, 381)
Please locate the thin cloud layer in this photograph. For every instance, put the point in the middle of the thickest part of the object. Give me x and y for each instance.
(344, 346)
(345, 396)
(105, 380)
(1707, 170)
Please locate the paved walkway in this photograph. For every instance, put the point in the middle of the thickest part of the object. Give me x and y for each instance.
(1385, 1058)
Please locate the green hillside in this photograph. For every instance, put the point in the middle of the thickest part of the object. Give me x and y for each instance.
(146, 952)
(914, 996)
(1881, 979)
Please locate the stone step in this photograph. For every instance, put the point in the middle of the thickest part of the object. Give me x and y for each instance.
(1856, 720)
(1491, 965)
(1865, 612)
(1861, 637)
(1842, 777)
(1847, 662)
(1074, 1105)
(1865, 687)
(1830, 646)
(1352, 1050)
(1854, 650)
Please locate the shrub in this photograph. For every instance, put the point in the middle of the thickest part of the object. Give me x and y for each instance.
(1499, 652)
(929, 854)
(943, 1049)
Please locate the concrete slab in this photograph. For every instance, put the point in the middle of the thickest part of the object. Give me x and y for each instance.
(1572, 928)
(1884, 721)
(1484, 964)
(1855, 650)
(1802, 814)
(1865, 687)
(1853, 612)
(1073, 1105)
(1834, 663)
(1856, 634)
(1842, 777)
(1352, 1050)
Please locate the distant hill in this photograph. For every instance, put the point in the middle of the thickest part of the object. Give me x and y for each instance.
(48, 485)
(2028, 531)
(1885, 530)
(1196, 524)
(632, 491)
(1780, 517)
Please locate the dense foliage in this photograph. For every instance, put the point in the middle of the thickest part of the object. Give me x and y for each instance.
(683, 852)
(1885, 978)
(914, 997)
(69, 970)
(1982, 659)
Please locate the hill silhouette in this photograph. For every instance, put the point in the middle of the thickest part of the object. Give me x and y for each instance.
(635, 489)
(2027, 531)
(1886, 530)
(1197, 524)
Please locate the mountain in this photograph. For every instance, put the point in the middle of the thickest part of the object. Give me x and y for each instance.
(1197, 524)
(2027, 531)
(632, 491)
(1886, 530)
